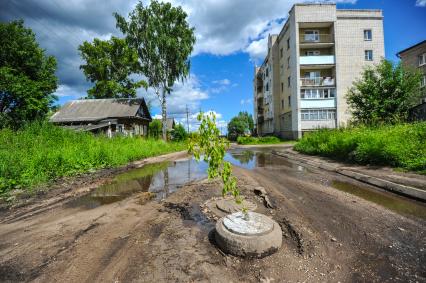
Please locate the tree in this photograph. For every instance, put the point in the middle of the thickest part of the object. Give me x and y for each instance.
(384, 94)
(163, 40)
(27, 76)
(109, 65)
(240, 125)
(155, 128)
(179, 133)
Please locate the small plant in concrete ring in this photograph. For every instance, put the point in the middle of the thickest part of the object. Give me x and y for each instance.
(207, 144)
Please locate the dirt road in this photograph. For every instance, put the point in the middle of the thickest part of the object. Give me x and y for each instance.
(329, 235)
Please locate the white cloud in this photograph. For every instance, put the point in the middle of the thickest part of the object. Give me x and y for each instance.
(421, 3)
(69, 92)
(222, 82)
(194, 123)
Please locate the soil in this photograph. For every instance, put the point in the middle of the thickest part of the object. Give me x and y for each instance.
(328, 235)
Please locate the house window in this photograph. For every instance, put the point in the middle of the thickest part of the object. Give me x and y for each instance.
(282, 87)
(120, 128)
(368, 36)
(368, 55)
(267, 72)
(288, 81)
(422, 59)
(288, 63)
(282, 103)
(312, 35)
(288, 43)
(281, 53)
(318, 114)
(289, 101)
(267, 86)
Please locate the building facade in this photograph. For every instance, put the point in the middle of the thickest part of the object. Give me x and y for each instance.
(310, 65)
(415, 57)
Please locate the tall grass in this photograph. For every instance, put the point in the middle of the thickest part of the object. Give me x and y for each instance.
(258, 140)
(402, 146)
(42, 152)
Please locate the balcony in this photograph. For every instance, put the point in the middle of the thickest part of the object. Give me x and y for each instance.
(319, 81)
(317, 60)
(316, 38)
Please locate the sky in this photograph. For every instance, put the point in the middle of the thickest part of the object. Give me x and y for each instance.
(231, 40)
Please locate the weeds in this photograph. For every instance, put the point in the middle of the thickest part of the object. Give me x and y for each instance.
(42, 152)
(402, 145)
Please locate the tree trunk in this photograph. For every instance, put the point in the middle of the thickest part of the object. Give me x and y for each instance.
(163, 112)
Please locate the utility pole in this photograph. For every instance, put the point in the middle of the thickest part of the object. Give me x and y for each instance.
(187, 117)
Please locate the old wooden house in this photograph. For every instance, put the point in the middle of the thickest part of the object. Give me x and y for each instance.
(129, 117)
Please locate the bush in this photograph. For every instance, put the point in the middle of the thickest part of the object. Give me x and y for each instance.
(259, 140)
(179, 133)
(42, 152)
(400, 145)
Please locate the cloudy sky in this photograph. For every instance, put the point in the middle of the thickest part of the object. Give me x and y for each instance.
(231, 39)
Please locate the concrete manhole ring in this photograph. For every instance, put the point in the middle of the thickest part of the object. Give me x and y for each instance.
(256, 237)
(229, 205)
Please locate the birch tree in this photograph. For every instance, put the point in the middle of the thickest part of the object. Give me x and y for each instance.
(163, 40)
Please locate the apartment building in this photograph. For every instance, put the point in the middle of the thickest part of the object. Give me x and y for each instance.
(415, 56)
(310, 65)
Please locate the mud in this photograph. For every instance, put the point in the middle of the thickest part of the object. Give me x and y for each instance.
(329, 235)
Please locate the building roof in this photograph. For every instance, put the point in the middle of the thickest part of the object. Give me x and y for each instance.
(411, 47)
(91, 110)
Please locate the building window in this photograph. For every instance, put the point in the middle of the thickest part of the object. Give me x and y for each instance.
(288, 43)
(288, 63)
(317, 93)
(368, 36)
(267, 87)
(120, 128)
(312, 35)
(282, 103)
(318, 114)
(422, 59)
(281, 53)
(423, 81)
(312, 53)
(282, 87)
(368, 55)
(289, 101)
(289, 81)
(267, 72)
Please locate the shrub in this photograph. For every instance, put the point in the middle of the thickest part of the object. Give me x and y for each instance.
(401, 145)
(179, 133)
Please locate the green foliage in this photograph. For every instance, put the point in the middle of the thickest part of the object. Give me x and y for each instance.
(240, 125)
(41, 152)
(155, 128)
(27, 76)
(179, 133)
(401, 145)
(212, 148)
(259, 140)
(384, 94)
(163, 40)
(109, 64)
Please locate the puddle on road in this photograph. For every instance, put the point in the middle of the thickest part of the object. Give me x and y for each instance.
(392, 202)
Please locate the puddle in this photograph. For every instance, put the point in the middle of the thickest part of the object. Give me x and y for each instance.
(161, 179)
(392, 202)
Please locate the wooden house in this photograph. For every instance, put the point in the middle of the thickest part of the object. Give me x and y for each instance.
(129, 117)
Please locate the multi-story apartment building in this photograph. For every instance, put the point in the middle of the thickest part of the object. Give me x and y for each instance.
(415, 56)
(311, 64)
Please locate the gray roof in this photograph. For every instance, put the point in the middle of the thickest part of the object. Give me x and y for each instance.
(100, 109)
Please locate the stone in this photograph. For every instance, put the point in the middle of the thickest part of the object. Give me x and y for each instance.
(255, 236)
(229, 205)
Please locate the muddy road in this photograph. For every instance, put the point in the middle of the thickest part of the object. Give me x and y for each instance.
(149, 224)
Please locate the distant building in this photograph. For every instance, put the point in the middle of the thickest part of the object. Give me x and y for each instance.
(415, 56)
(311, 64)
(129, 117)
(170, 122)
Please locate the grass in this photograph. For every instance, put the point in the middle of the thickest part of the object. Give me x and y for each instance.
(42, 152)
(258, 140)
(402, 146)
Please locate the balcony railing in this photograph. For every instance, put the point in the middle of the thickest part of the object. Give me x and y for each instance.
(317, 60)
(316, 38)
(319, 81)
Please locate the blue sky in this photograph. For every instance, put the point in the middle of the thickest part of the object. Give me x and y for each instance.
(231, 39)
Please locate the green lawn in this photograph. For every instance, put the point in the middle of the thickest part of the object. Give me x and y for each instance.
(260, 140)
(402, 146)
(42, 152)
